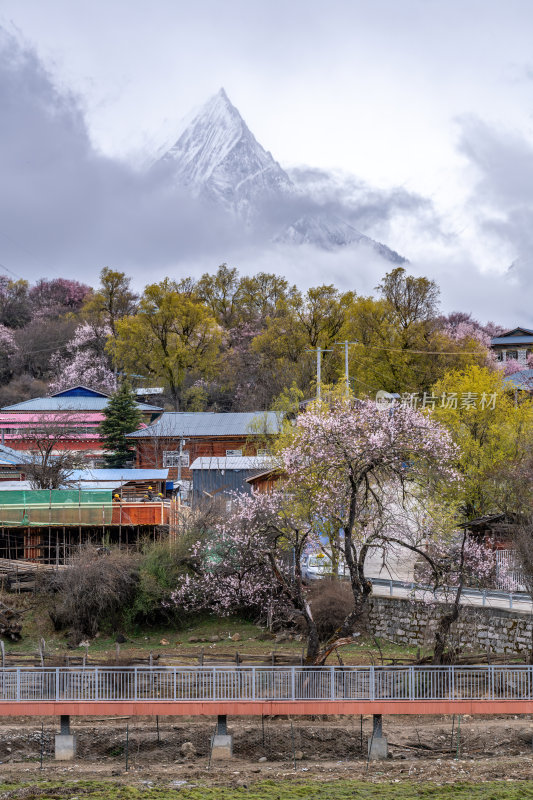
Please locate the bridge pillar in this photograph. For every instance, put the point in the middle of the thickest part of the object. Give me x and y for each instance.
(222, 746)
(377, 744)
(65, 742)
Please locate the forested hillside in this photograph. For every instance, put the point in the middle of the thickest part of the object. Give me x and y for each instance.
(229, 342)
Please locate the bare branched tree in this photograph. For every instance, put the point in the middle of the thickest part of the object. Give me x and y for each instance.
(50, 459)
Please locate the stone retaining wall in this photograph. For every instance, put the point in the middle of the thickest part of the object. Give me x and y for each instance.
(413, 623)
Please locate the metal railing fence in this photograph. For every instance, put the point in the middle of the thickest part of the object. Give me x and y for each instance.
(469, 596)
(234, 683)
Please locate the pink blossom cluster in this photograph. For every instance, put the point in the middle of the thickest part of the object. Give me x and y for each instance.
(251, 560)
(480, 565)
(85, 361)
(350, 453)
(459, 326)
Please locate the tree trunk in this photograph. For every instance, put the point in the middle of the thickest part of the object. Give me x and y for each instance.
(313, 643)
(447, 620)
(442, 632)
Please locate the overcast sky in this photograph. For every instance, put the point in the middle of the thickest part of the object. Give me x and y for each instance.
(431, 97)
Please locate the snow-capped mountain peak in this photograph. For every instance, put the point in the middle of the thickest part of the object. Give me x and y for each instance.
(217, 158)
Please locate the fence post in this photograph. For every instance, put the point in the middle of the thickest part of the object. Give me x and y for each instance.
(510, 599)
(214, 684)
(452, 682)
(332, 683)
(411, 683)
(57, 684)
(491, 682)
(371, 684)
(95, 683)
(135, 683)
(253, 683)
(18, 683)
(175, 681)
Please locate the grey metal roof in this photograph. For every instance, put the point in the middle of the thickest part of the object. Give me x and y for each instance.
(508, 340)
(522, 379)
(231, 463)
(173, 424)
(69, 404)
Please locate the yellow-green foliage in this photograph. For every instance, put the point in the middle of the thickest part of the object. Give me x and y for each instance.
(489, 437)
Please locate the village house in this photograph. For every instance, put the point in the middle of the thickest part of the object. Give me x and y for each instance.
(516, 344)
(177, 439)
(72, 417)
(216, 478)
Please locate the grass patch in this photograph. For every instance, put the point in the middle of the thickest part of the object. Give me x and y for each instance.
(270, 790)
(142, 640)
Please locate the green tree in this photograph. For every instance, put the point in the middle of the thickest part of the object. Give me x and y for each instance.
(491, 430)
(171, 336)
(112, 301)
(121, 416)
(399, 344)
(301, 323)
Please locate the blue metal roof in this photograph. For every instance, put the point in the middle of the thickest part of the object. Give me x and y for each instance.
(80, 403)
(8, 454)
(119, 474)
(521, 380)
(79, 391)
(174, 424)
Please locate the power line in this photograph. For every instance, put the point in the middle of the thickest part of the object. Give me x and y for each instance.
(423, 352)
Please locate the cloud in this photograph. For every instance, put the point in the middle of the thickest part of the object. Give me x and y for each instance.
(501, 199)
(67, 209)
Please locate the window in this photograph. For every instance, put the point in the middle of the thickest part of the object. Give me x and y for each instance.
(262, 451)
(171, 458)
(499, 356)
(233, 453)
(511, 354)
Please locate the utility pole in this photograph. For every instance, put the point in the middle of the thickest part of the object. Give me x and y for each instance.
(182, 443)
(319, 351)
(346, 344)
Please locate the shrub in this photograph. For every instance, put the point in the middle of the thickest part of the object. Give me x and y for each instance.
(331, 601)
(162, 568)
(94, 590)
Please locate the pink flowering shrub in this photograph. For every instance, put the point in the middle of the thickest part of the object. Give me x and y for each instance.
(252, 563)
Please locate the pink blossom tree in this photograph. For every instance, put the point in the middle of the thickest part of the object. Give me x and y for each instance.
(448, 564)
(85, 361)
(365, 468)
(8, 352)
(50, 299)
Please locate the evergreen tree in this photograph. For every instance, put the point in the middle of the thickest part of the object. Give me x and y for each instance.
(121, 416)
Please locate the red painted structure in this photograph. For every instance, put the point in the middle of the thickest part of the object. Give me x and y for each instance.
(241, 708)
(73, 417)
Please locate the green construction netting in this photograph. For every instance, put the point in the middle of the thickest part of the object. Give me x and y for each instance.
(39, 507)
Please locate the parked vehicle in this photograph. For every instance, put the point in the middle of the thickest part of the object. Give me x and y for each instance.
(318, 565)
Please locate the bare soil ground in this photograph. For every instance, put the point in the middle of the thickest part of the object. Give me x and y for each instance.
(421, 749)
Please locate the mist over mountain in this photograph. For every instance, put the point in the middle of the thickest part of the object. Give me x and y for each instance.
(67, 209)
(218, 159)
